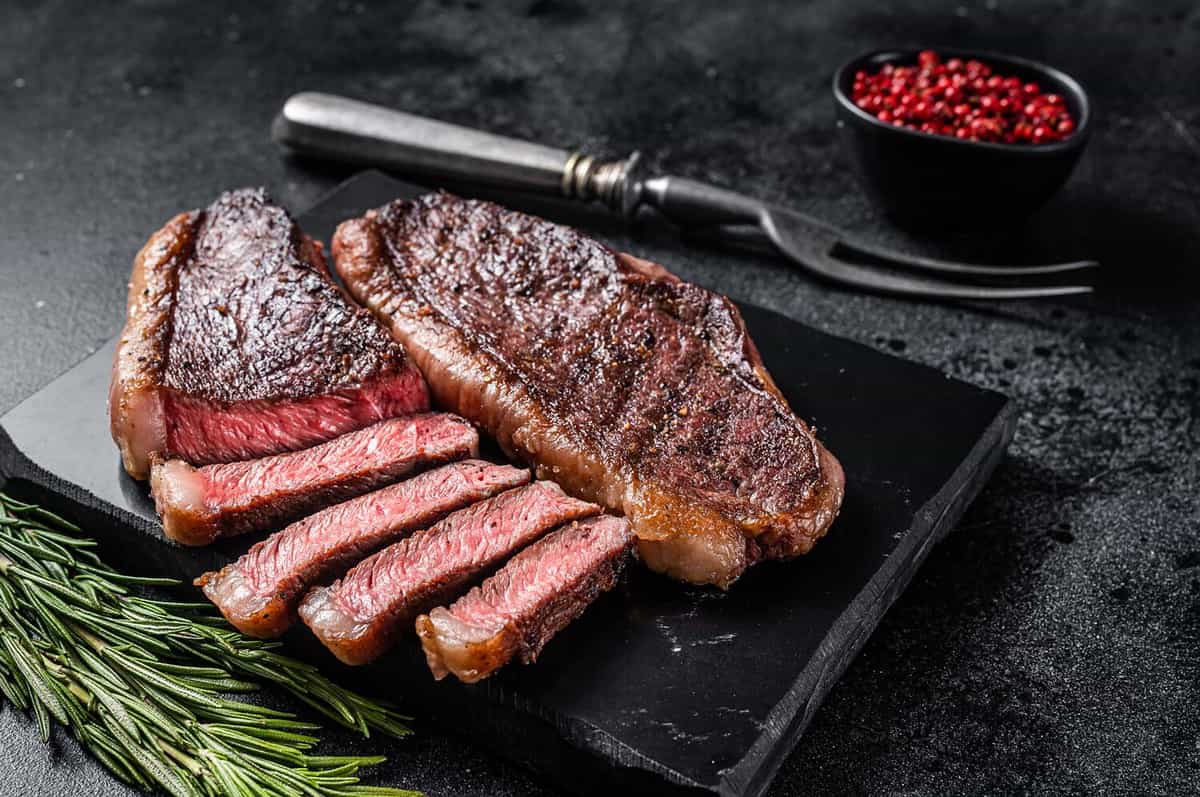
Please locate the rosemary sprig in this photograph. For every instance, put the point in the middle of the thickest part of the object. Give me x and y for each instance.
(142, 683)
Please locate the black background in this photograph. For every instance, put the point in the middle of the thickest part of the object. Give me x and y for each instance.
(1052, 642)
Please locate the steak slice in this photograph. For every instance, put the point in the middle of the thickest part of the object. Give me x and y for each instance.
(529, 600)
(237, 344)
(199, 505)
(259, 592)
(624, 384)
(359, 617)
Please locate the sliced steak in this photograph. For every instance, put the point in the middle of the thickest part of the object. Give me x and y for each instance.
(259, 592)
(359, 617)
(624, 384)
(237, 344)
(199, 505)
(529, 600)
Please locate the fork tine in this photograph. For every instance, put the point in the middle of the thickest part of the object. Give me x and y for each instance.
(751, 237)
(949, 267)
(912, 286)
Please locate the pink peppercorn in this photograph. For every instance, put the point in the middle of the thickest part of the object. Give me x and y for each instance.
(965, 100)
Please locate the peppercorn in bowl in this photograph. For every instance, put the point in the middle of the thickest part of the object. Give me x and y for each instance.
(949, 136)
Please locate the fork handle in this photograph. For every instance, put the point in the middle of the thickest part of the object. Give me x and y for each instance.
(348, 130)
(343, 129)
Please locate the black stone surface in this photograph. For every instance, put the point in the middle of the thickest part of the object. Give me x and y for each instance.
(1049, 645)
(658, 686)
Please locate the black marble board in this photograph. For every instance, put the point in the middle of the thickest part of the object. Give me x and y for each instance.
(659, 686)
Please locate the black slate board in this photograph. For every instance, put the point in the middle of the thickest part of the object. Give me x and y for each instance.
(659, 686)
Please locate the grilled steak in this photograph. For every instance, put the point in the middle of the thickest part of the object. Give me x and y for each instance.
(360, 616)
(259, 592)
(624, 384)
(237, 344)
(529, 600)
(198, 505)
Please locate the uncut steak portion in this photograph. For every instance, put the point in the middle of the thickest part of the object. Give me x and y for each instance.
(529, 600)
(259, 592)
(237, 344)
(622, 383)
(360, 616)
(199, 505)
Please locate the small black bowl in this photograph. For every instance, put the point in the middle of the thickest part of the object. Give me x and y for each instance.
(925, 179)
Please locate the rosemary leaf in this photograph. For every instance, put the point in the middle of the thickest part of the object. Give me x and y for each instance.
(162, 772)
(36, 680)
(144, 683)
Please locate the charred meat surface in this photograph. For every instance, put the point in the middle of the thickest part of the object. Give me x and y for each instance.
(199, 505)
(259, 593)
(529, 600)
(237, 344)
(616, 379)
(360, 616)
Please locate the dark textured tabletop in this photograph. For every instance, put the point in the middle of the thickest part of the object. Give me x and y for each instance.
(1052, 643)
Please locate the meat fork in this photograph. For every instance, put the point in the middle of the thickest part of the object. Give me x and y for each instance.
(348, 130)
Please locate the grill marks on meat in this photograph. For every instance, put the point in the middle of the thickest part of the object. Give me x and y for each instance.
(259, 592)
(237, 344)
(624, 384)
(199, 505)
(529, 600)
(359, 617)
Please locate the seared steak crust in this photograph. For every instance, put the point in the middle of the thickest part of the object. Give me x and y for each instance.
(256, 316)
(529, 600)
(238, 344)
(626, 385)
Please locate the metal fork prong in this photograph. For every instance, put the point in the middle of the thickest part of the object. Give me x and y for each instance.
(905, 285)
(811, 248)
(918, 263)
(752, 237)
